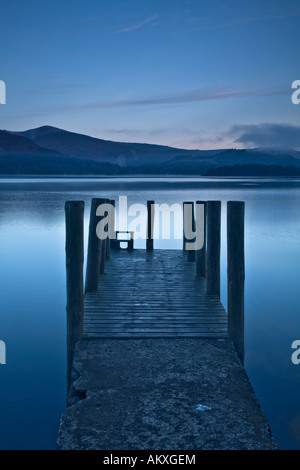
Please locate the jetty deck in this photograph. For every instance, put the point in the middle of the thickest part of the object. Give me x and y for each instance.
(161, 394)
(154, 360)
(152, 294)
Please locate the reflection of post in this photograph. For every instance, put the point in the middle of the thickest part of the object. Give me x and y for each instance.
(236, 273)
(150, 225)
(74, 211)
(213, 247)
(94, 249)
(201, 254)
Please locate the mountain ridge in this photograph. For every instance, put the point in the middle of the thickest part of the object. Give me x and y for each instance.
(93, 148)
(59, 148)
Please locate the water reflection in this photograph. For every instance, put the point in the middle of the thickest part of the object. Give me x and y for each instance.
(32, 301)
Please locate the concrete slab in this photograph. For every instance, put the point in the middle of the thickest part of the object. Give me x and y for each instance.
(161, 394)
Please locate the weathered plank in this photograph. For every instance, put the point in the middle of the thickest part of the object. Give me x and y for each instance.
(152, 294)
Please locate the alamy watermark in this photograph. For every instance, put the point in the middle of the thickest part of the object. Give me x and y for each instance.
(2, 352)
(169, 222)
(296, 95)
(2, 92)
(296, 354)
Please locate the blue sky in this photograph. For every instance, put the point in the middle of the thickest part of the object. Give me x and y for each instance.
(186, 73)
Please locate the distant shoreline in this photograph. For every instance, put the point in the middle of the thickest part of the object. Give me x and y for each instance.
(204, 177)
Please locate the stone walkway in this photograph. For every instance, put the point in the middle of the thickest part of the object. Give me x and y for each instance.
(161, 394)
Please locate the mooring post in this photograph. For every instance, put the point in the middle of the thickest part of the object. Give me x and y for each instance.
(183, 218)
(94, 249)
(103, 242)
(74, 212)
(236, 274)
(191, 254)
(113, 240)
(130, 241)
(107, 241)
(150, 225)
(111, 228)
(185, 223)
(201, 254)
(103, 245)
(213, 247)
(113, 202)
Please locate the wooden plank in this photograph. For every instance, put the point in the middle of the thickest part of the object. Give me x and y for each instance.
(175, 304)
(153, 335)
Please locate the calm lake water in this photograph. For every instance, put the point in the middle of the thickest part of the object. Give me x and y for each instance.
(32, 300)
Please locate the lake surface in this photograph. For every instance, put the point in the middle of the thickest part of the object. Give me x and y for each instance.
(32, 300)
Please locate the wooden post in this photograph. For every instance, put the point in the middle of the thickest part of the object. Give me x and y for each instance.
(191, 254)
(236, 274)
(74, 212)
(113, 221)
(111, 228)
(130, 242)
(94, 249)
(150, 225)
(107, 241)
(213, 247)
(184, 209)
(183, 218)
(113, 240)
(103, 245)
(201, 254)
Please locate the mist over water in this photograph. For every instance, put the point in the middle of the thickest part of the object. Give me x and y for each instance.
(32, 301)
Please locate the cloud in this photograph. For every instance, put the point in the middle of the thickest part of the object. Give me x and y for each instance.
(153, 132)
(231, 18)
(150, 20)
(170, 99)
(267, 135)
(202, 94)
(190, 96)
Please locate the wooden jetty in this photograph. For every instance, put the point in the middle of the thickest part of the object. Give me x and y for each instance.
(159, 301)
(154, 293)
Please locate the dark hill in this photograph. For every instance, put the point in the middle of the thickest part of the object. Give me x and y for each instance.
(80, 153)
(91, 148)
(14, 144)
